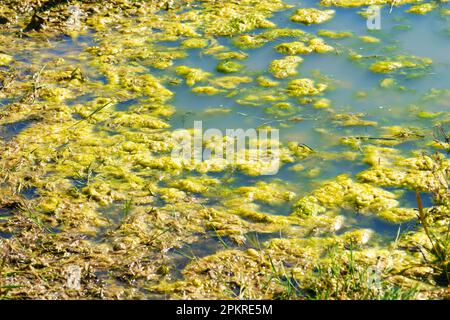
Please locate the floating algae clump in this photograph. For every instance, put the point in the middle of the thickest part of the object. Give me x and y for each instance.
(266, 82)
(231, 55)
(5, 59)
(422, 8)
(333, 34)
(401, 63)
(230, 82)
(194, 185)
(344, 193)
(369, 39)
(271, 193)
(386, 66)
(195, 43)
(322, 103)
(319, 46)
(352, 119)
(281, 109)
(229, 67)
(297, 47)
(248, 41)
(304, 87)
(286, 67)
(139, 121)
(192, 75)
(224, 18)
(208, 90)
(398, 215)
(293, 48)
(312, 16)
(420, 173)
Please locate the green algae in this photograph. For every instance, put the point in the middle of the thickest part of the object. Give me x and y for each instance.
(369, 39)
(401, 63)
(248, 41)
(312, 16)
(285, 68)
(333, 34)
(230, 82)
(5, 59)
(108, 175)
(304, 87)
(229, 67)
(350, 120)
(387, 83)
(192, 75)
(347, 194)
(281, 109)
(398, 215)
(293, 48)
(208, 90)
(386, 66)
(422, 8)
(266, 82)
(226, 19)
(195, 43)
(322, 103)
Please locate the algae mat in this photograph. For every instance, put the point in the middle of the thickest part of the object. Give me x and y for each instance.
(93, 203)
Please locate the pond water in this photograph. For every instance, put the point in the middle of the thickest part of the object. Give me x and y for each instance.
(406, 102)
(400, 34)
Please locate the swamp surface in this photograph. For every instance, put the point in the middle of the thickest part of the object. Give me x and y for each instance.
(91, 93)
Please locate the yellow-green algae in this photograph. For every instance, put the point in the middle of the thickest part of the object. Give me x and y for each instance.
(192, 75)
(422, 8)
(312, 16)
(304, 87)
(286, 67)
(105, 160)
(333, 34)
(360, 3)
(345, 193)
(229, 66)
(295, 48)
(401, 62)
(248, 41)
